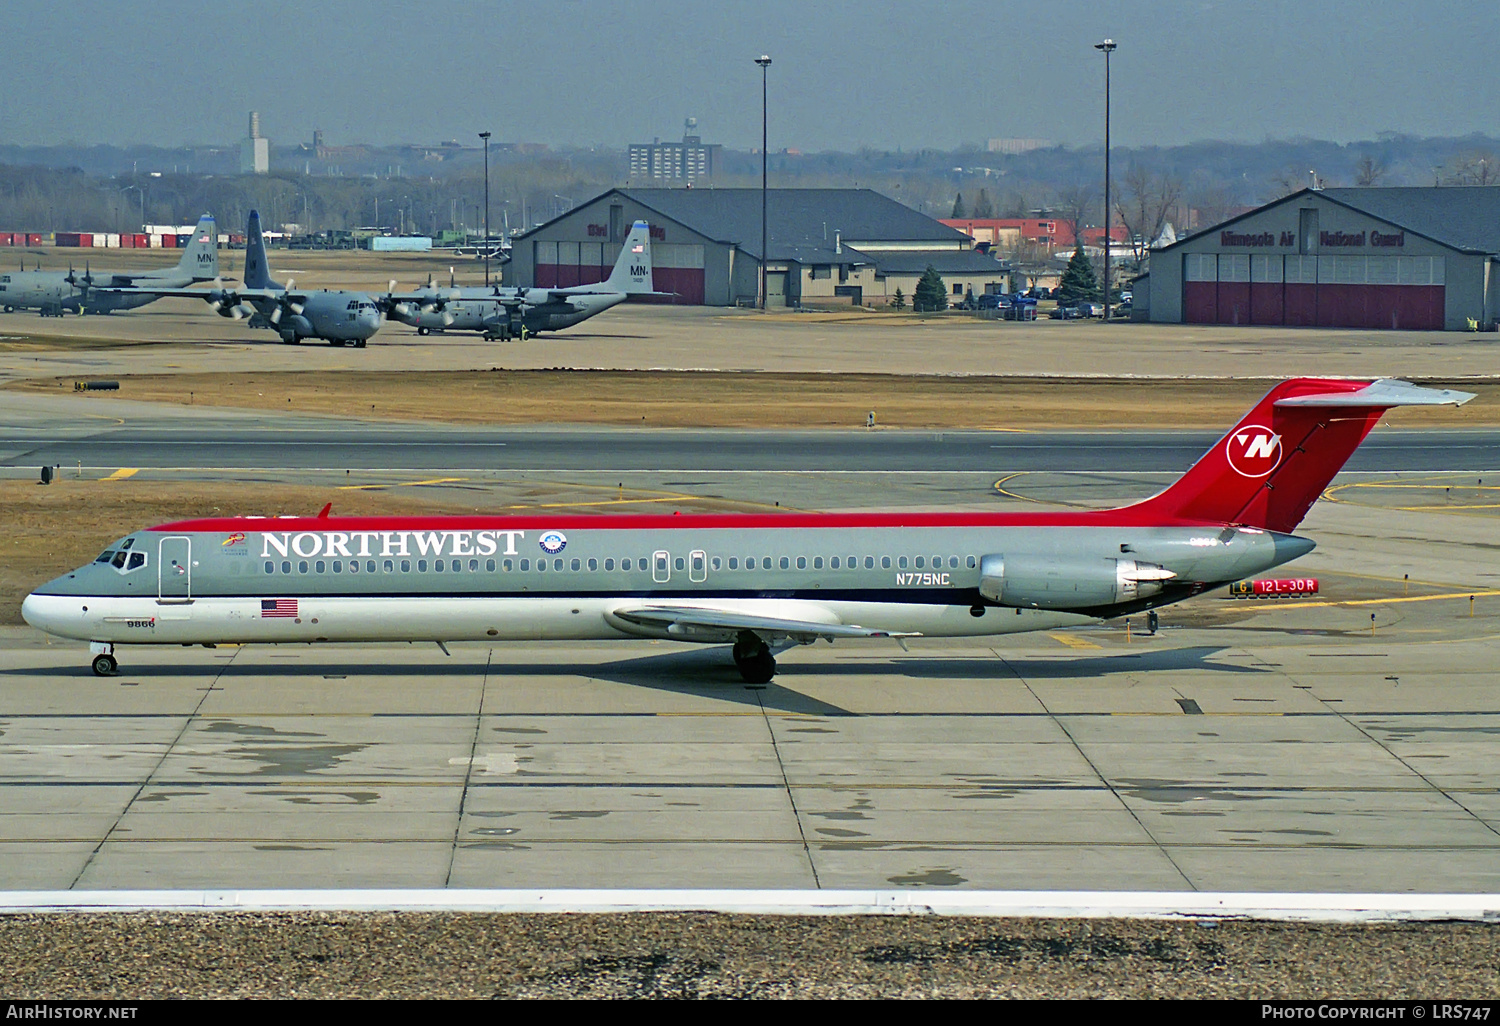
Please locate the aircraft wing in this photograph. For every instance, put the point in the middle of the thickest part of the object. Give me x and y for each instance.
(210, 295)
(718, 625)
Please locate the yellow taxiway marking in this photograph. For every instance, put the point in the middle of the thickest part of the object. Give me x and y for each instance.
(1431, 484)
(122, 474)
(1072, 642)
(1477, 593)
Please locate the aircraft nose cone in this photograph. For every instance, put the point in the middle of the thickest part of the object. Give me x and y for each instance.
(1291, 546)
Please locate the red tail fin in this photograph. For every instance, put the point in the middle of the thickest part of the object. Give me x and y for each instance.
(1269, 470)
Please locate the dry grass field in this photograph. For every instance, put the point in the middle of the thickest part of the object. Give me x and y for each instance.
(732, 399)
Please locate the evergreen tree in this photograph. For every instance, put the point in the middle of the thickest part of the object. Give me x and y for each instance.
(1078, 281)
(898, 301)
(931, 293)
(958, 206)
(982, 206)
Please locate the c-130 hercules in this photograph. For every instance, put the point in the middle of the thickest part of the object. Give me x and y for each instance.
(506, 313)
(98, 292)
(336, 316)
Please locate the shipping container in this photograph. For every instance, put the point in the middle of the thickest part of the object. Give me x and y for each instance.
(183, 238)
(142, 240)
(69, 239)
(169, 242)
(5, 238)
(400, 243)
(33, 238)
(112, 240)
(127, 240)
(153, 241)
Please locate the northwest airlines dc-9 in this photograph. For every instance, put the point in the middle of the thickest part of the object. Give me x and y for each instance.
(760, 583)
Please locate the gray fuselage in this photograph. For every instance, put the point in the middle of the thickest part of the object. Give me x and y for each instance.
(493, 577)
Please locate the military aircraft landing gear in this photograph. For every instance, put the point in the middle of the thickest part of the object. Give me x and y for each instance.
(754, 659)
(104, 660)
(359, 343)
(424, 332)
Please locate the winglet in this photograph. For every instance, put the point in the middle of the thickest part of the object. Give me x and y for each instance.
(323, 513)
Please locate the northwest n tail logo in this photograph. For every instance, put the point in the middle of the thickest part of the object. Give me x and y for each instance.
(1253, 451)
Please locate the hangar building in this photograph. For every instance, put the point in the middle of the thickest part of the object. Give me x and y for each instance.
(1396, 258)
(826, 245)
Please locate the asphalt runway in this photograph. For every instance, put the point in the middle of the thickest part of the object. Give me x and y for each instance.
(31, 436)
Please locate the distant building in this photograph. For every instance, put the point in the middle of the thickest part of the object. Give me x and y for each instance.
(688, 160)
(1411, 258)
(255, 151)
(825, 246)
(1012, 147)
(1050, 233)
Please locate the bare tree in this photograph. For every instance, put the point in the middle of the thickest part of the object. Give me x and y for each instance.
(1368, 171)
(1473, 167)
(1146, 197)
(1209, 205)
(1074, 205)
(1287, 181)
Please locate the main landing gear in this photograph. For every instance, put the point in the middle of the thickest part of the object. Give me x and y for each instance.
(754, 659)
(105, 664)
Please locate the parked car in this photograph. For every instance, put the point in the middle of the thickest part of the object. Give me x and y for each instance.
(1065, 313)
(1091, 309)
(992, 301)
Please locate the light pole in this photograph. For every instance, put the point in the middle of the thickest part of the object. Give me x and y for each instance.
(764, 62)
(1108, 47)
(486, 137)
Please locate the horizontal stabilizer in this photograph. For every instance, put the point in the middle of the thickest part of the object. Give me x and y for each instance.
(1383, 392)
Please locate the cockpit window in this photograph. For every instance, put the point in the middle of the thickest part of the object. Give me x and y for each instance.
(127, 543)
(119, 561)
(105, 556)
(137, 560)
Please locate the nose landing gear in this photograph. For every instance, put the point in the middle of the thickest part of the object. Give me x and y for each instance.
(754, 659)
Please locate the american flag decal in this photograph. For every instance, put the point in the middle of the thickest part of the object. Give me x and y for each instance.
(278, 607)
(638, 248)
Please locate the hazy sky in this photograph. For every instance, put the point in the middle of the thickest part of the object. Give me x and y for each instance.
(911, 74)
